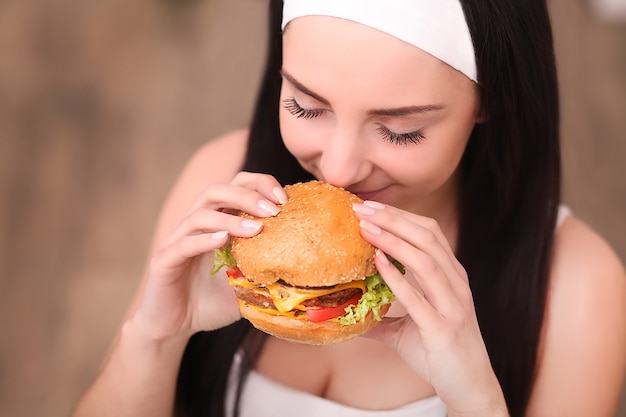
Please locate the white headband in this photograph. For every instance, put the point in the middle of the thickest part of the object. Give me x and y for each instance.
(435, 26)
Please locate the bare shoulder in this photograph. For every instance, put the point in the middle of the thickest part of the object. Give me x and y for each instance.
(582, 356)
(587, 276)
(218, 161)
(580, 251)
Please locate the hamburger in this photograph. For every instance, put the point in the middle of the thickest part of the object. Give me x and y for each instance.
(308, 276)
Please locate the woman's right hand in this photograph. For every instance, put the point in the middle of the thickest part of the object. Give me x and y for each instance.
(181, 296)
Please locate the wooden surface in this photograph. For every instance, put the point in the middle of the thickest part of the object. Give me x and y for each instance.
(101, 103)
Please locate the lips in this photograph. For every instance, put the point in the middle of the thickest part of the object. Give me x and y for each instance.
(362, 194)
(369, 195)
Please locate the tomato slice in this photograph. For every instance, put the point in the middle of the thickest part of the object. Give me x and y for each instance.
(234, 273)
(317, 315)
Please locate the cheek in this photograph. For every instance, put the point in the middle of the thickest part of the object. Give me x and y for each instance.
(302, 143)
(429, 164)
(446, 157)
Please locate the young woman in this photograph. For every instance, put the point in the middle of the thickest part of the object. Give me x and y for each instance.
(443, 116)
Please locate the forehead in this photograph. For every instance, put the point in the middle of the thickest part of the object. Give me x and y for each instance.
(339, 53)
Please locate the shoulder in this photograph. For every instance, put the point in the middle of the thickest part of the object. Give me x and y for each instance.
(583, 260)
(577, 245)
(218, 161)
(582, 354)
(585, 269)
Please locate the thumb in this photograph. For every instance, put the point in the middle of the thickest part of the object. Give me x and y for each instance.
(387, 330)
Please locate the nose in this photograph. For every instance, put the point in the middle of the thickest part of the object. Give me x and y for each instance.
(343, 159)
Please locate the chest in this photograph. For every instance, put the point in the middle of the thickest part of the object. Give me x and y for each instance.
(360, 373)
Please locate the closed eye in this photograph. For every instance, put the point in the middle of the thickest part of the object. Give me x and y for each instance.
(400, 138)
(292, 106)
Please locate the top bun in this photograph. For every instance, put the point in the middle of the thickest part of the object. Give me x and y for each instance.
(314, 241)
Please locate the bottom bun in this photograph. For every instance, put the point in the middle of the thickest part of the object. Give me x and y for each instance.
(303, 331)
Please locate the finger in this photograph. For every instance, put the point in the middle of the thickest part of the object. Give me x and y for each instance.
(422, 271)
(428, 223)
(387, 331)
(411, 297)
(423, 274)
(421, 232)
(177, 254)
(237, 198)
(265, 184)
(208, 221)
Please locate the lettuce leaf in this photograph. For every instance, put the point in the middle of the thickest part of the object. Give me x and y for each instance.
(377, 295)
(222, 258)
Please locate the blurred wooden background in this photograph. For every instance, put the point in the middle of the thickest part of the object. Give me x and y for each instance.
(101, 103)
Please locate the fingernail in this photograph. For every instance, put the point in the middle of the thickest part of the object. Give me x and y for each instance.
(219, 235)
(268, 207)
(370, 227)
(280, 195)
(363, 209)
(382, 257)
(251, 225)
(374, 204)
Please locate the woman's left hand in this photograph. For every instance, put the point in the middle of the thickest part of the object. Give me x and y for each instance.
(439, 338)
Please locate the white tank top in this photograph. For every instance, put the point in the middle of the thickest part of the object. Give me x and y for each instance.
(263, 397)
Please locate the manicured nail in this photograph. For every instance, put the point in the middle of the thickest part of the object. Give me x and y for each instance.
(219, 235)
(268, 207)
(280, 195)
(382, 257)
(363, 209)
(370, 227)
(251, 225)
(374, 204)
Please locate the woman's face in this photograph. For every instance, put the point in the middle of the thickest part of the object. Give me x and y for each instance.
(368, 112)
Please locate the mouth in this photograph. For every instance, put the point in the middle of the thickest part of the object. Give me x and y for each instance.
(369, 195)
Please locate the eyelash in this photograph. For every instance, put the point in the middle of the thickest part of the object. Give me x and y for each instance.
(401, 138)
(292, 106)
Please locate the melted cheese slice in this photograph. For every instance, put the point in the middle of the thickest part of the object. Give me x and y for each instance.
(274, 312)
(287, 298)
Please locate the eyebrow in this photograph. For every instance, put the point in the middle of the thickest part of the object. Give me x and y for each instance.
(298, 85)
(405, 111)
(393, 112)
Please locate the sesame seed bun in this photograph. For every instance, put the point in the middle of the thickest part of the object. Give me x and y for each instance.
(306, 268)
(314, 241)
